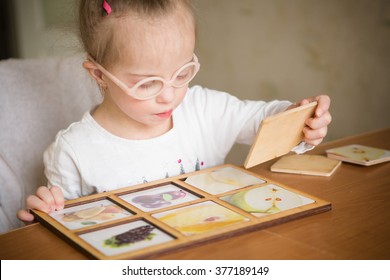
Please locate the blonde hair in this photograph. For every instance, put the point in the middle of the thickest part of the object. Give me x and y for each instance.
(97, 28)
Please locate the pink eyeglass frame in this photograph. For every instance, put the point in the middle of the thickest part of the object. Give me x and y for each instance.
(131, 91)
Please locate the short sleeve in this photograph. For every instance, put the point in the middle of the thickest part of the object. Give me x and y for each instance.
(62, 169)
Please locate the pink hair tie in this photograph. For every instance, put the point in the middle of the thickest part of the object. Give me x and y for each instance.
(107, 7)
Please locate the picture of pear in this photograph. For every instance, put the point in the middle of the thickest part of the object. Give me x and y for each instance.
(358, 152)
(267, 199)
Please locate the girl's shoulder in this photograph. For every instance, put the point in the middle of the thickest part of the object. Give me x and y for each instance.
(77, 130)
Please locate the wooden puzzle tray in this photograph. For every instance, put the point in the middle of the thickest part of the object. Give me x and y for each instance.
(173, 213)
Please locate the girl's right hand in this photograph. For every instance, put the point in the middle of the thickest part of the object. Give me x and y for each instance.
(46, 200)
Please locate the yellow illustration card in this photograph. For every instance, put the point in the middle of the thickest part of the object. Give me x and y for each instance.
(200, 218)
(223, 180)
(359, 154)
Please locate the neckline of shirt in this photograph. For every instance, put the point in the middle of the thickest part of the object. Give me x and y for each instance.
(161, 138)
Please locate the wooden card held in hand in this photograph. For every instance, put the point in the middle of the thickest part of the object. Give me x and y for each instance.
(278, 134)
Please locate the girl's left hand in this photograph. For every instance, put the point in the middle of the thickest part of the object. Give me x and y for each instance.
(317, 126)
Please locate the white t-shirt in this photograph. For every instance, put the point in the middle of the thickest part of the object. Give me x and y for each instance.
(86, 159)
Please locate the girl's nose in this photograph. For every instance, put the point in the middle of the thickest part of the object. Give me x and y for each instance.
(167, 95)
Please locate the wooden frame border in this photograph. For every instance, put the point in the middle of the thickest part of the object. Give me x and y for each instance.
(180, 240)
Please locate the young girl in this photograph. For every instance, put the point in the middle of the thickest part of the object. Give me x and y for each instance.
(150, 125)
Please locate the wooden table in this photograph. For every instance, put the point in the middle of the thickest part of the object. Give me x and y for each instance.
(358, 226)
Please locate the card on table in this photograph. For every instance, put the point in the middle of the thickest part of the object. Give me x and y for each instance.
(315, 165)
(359, 154)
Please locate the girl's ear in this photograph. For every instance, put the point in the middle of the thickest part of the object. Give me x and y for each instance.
(94, 72)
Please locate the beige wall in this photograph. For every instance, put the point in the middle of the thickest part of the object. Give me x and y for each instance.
(279, 49)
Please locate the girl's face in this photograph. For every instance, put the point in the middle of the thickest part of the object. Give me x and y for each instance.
(148, 48)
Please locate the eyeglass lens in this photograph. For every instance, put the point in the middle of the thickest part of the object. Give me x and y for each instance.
(153, 87)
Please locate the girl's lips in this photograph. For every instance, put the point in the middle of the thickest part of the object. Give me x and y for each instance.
(165, 115)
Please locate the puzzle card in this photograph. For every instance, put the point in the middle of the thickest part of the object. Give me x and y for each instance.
(359, 154)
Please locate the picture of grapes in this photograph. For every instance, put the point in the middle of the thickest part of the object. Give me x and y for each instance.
(126, 237)
(130, 237)
(159, 197)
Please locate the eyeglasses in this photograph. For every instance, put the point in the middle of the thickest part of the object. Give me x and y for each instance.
(149, 88)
